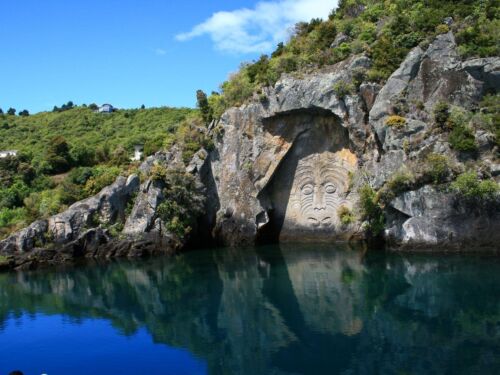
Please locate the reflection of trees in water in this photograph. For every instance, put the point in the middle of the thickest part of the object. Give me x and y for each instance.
(271, 310)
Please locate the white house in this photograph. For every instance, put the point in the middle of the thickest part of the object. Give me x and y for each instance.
(106, 108)
(4, 154)
(138, 152)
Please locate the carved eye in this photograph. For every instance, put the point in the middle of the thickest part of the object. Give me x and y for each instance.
(307, 189)
(330, 189)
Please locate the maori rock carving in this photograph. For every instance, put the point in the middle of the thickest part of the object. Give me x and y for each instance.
(320, 187)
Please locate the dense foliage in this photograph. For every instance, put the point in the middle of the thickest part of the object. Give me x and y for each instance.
(469, 186)
(184, 201)
(384, 30)
(72, 153)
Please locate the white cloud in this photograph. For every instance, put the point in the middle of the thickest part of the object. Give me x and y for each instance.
(259, 29)
(160, 52)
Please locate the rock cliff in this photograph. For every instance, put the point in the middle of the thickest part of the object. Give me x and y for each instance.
(297, 163)
(289, 166)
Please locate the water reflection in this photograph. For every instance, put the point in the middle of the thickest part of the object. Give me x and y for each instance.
(288, 309)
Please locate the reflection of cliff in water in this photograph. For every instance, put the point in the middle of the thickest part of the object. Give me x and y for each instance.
(289, 310)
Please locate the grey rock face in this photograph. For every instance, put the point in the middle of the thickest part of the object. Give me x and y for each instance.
(69, 230)
(26, 239)
(254, 164)
(106, 207)
(266, 149)
(143, 216)
(288, 168)
(435, 218)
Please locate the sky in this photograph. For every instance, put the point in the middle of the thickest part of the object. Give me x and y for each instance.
(133, 52)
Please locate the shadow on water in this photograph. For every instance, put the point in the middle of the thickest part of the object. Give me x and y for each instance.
(287, 309)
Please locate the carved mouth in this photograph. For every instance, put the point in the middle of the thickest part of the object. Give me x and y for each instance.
(325, 222)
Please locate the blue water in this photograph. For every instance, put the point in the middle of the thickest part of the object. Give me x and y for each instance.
(61, 345)
(269, 310)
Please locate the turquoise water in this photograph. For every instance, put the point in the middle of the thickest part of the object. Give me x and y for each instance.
(269, 310)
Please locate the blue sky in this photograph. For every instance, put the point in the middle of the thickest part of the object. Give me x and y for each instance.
(134, 52)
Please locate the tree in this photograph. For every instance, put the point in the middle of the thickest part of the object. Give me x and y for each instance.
(1, 111)
(81, 155)
(69, 105)
(202, 104)
(93, 107)
(143, 106)
(24, 112)
(57, 156)
(120, 156)
(11, 111)
(279, 50)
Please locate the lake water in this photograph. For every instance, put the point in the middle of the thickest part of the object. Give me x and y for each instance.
(269, 310)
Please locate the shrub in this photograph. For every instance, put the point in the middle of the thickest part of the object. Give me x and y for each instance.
(396, 122)
(69, 192)
(158, 172)
(217, 105)
(442, 29)
(120, 156)
(370, 209)
(442, 114)
(9, 217)
(462, 139)
(203, 106)
(342, 89)
(102, 177)
(238, 89)
(345, 215)
(489, 116)
(437, 167)
(400, 182)
(43, 204)
(469, 186)
(82, 156)
(183, 205)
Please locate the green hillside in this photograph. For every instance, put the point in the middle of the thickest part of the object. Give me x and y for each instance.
(81, 126)
(65, 156)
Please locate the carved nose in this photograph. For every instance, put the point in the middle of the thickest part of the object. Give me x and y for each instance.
(319, 199)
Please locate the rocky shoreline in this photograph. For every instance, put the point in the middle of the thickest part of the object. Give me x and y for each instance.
(304, 161)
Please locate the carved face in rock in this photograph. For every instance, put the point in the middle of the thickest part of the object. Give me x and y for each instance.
(318, 190)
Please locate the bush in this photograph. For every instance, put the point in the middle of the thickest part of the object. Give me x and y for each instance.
(441, 114)
(217, 105)
(238, 89)
(9, 217)
(442, 29)
(342, 89)
(43, 204)
(82, 156)
(469, 186)
(102, 177)
(345, 215)
(80, 176)
(370, 209)
(489, 116)
(437, 167)
(462, 139)
(158, 172)
(400, 182)
(396, 122)
(184, 203)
